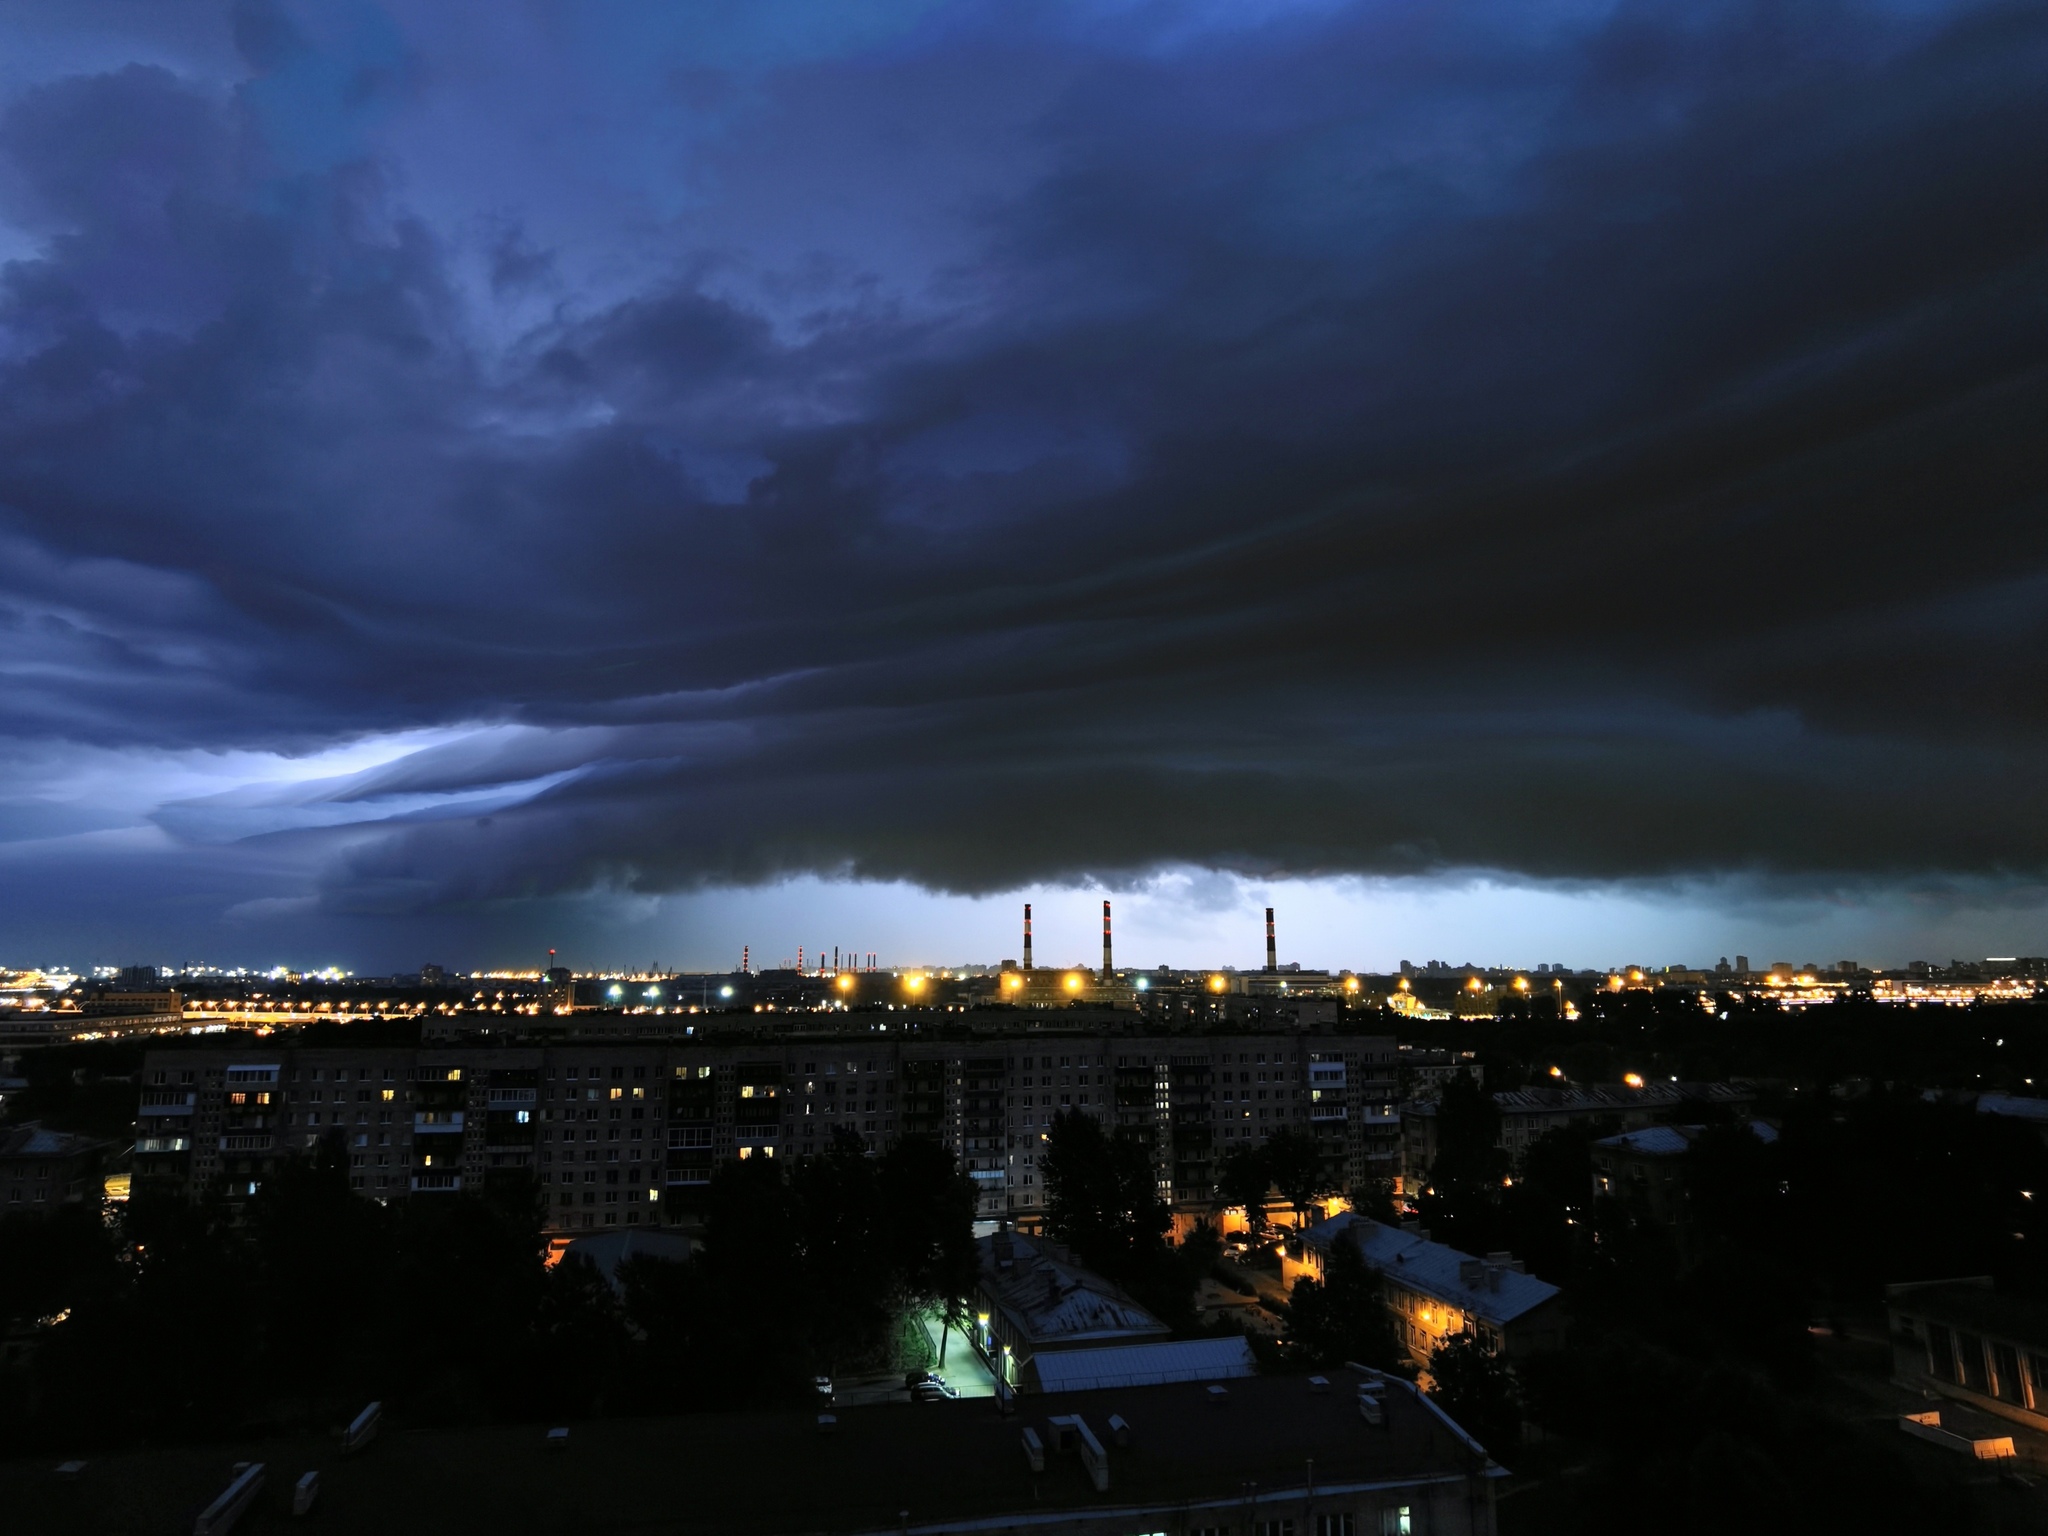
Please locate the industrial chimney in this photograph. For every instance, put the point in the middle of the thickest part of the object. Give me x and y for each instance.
(1027, 935)
(746, 956)
(1272, 953)
(1106, 970)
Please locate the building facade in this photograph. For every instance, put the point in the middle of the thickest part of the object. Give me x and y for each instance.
(1436, 1294)
(618, 1131)
(1970, 1343)
(43, 1171)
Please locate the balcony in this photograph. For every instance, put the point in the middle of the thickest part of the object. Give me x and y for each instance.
(425, 1183)
(260, 1142)
(437, 1122)
(146, 1144)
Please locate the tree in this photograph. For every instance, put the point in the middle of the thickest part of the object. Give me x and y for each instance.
(1478, 1389)
(1100, 1199)
(1344, 1317)
(1242, 1178)
(928, 1209)
(1295, 1165)
(1467, 1135)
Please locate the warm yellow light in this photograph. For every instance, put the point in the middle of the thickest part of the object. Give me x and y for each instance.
(1350, 983)
(846, 983)
(1073, 982)
(1521, 983)
(1216, 983)
(1633, 1079)
(1404, 983)
(1635, 975)
(1557, 1071)
(1472, 985)
(1013, 982)
(914, 983)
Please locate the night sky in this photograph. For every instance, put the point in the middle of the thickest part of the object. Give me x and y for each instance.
(1520, 482)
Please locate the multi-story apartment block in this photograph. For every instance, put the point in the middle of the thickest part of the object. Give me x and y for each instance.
(618, 1131)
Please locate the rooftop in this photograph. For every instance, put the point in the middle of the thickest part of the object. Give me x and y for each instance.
(945, 1463)
(1973, 1304)
(31, 1140)
(1597, 1097)
(1052, 1300)
(1671, 1140)
(1437, 1268)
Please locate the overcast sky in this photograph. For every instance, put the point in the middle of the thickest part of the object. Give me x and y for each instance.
(1512, 482)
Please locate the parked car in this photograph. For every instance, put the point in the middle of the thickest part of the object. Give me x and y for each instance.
(932, 1391)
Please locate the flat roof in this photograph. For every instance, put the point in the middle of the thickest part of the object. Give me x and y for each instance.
(1977, 1307)
(773, 1473)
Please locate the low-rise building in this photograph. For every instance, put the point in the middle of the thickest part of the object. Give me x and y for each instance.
(42, 1170)
(1031, 1297)
(1529, 1114)
(1966, 1341)
(1645, 1168)
(1437, 1293)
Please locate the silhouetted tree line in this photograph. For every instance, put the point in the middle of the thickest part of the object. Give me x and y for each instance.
(1692, 1378)
(184, 1320)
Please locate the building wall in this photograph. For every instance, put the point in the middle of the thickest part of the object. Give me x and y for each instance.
(616, 1129)
(1998, 1372)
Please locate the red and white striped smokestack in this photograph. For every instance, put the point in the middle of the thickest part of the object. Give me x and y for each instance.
(799, 959)
(1027, 935)
(1105, 942)
(746, 954)
(1272, 953)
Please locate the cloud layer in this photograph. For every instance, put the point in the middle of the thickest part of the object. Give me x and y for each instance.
(978, 446)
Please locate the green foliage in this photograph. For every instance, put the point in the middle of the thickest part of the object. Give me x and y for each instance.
(1243, 1179)
(1100, 1198)
(1343, 1317)
(1478, 1390)
(1712, 1446)
(1297, 1167)
(1101, 1201)
(192, 1319)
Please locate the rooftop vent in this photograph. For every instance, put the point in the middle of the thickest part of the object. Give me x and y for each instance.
(1219, 1395)
(1034, 1450)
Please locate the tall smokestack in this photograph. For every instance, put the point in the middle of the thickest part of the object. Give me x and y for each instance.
(1105, 942)
(835, 959)
(1027, 935)
(746, 955)
(799, 959)
(1272, 952)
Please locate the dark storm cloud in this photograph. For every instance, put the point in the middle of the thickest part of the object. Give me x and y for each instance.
(1593, 448)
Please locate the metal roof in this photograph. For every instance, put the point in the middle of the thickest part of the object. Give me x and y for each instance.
(1670, 1140)
(1412, 1260)
(1141, 1365)
(1051, 1299)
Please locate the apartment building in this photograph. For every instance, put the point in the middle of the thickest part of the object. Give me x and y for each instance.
(43, 1170)
(1435, 1293)
(619, 1130)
